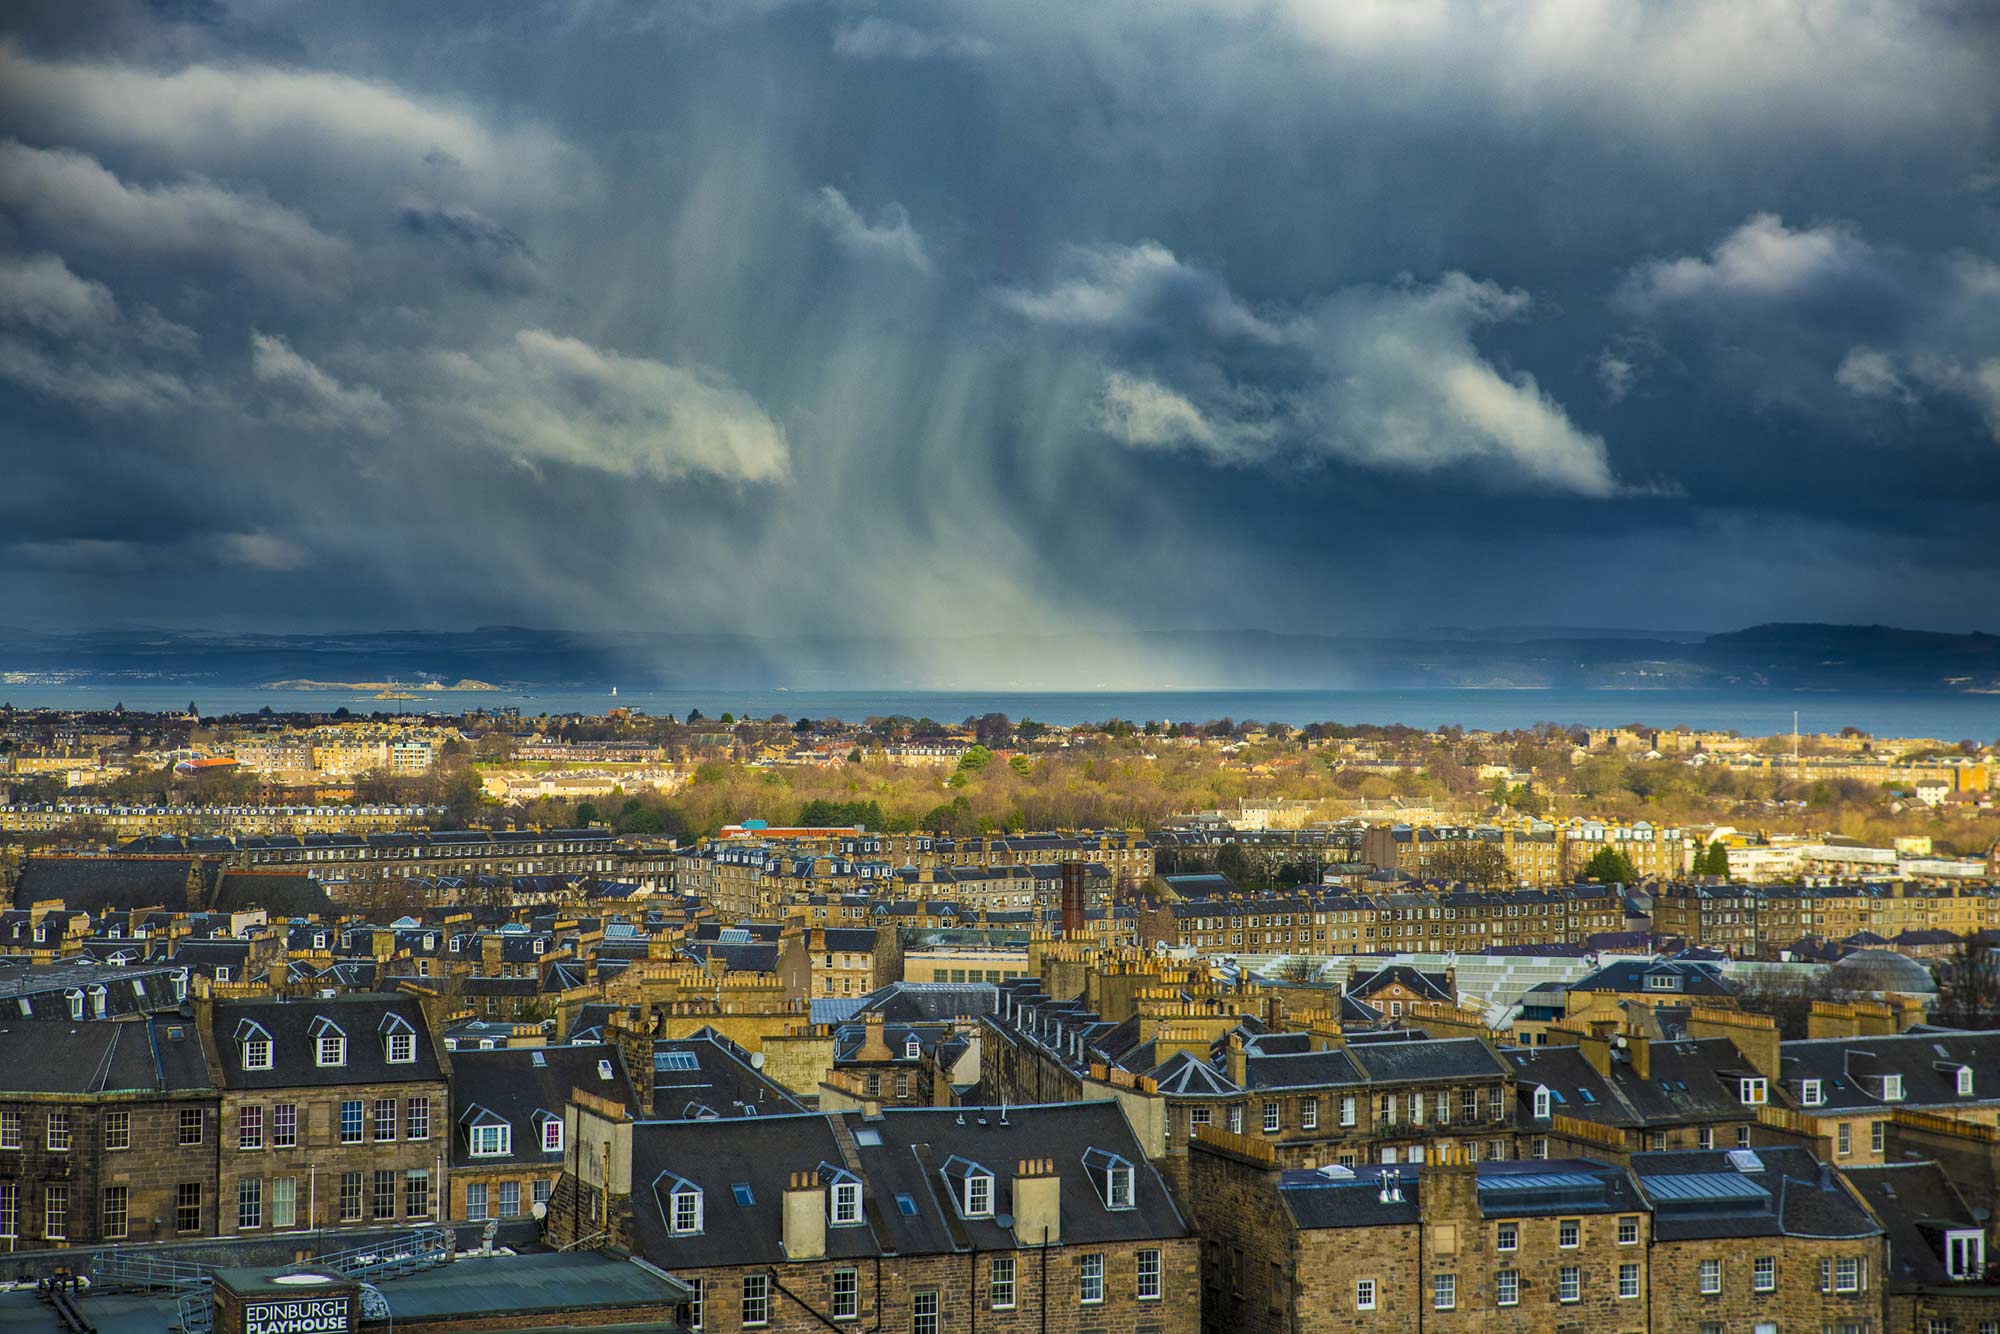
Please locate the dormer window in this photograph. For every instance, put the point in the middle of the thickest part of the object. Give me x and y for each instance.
(75, 999)
(684, 1210)
(319, 940)
(1753, 1092)
(541, 945)
(604, 1070)
(1892, 1088)
(1112, 1176)
(487, 1135)
(912, 1049)
(329, 1042)
(1662, 982)
(99, 1002)
(971, 1187)
(1964, 1081)
(1811, 1094)
(551, 1132)
(1965, 1254)
(1543, 1107)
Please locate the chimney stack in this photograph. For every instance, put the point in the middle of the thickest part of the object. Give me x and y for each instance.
(1075, 898)
(805, 1217)
(1037, 1203)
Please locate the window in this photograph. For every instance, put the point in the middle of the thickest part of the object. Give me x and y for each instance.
(1090, 1279)
(1628, 1230)
(475, 1201)
(1542, 1104)
(1743, 1137)
(417, 1193)
(1364, 1294)
(1628, 1280)
(1753, 1092)
(284, 1201)
(1569, 1233)
(257, 1054)
(1764, 1273)
(1347, 1111)
(118, 1130)
(552, 1136)
(249, 1203)
(55, 1212)
(923, 1312)
(1965, 1254)
(385, 1119)
(1705, 1137)
(1507, 1287)
(402, 1048)
(1508, 1237)
(350, 1121)
(1309, 1114)
(492, 1141)
(1964, 1081)
(1711, 1277)
(757, 1299)
(382, 1198)
(330, 1050)
(285, 1126)
(687, 1211)
(697, 1291)
(510, 1199)
(187, 1207)
(1569, 1284)
(1000, 1283)
(10, 1210)
(250, 1127)
(1847, 1274)
(1271, 1117)
(117, 1211)
(1149, 1276)
(845, 1202)
(978, 1195)
(350, 1198)
(10, 1130)
(1810, 1093)
(845, 1300)
(58, 1138)
(1444, 1292)
(417, 1118)
(1877, 1135)
(1843, 1139)
(1892, 1088)
(1236, 1120)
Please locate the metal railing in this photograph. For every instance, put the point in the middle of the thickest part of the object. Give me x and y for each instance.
(135, 1268)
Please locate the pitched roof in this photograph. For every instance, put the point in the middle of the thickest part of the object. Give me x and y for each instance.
(522, 1086)
(293, 1026)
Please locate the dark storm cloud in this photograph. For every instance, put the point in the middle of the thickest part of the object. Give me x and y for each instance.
(964, 316)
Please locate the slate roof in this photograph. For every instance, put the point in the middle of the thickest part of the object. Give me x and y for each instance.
(1449, 1059)
(1717, 1195)
(160, 1053)
(282, 895)
(1689, 977)
(523, 1085)
(1917, 1204)
(95, 884)
(912, 1147)
(41, 991)
(1850, 1069)
(723, 1081)
(1338, 1197)
(737, 958)
(291, 1022)
(915, 1002)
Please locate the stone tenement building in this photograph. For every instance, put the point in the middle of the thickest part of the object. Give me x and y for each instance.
(1757, 921)
(332, 1112)
(507, 1122)
(107, 1133)
(1315, 922)
(1700, 1243)
(1017, 1220)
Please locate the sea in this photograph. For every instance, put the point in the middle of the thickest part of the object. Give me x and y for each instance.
(1935, 714)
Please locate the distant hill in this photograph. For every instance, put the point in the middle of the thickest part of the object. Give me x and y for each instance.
(1779, 656)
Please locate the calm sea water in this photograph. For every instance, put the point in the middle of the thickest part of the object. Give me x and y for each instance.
(1950, 717)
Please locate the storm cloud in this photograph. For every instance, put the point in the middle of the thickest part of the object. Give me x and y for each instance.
(968, 319)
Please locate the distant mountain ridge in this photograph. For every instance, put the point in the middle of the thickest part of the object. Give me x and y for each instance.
(1778, 656)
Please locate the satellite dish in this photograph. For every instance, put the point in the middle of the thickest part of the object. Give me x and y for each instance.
(374, 1306)
(1003, 1220)
(756, 1060)
(539, 1210)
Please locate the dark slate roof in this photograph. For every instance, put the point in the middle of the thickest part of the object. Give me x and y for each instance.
(737, 958)
(1184, 1076)
(159, 1053)
(282, 895)
(41, 991)
(916, 1002)
(523, 1085)
(1341, 1197)
(914, 1146)
(1429, 985)
(1765, 1192)
(1536, 1187)
(1688, 978)
(1278, 1070)
(724, 1080)
(94, 884)
(1451, 1058)
(1917, 1205)
(363, 1017)
(1850, 1070)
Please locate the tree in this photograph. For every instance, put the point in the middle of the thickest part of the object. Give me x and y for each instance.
(1471, 861)
(1610, 866)
(586, 814)
(1969, 994)
(974, 759)
(1712, 860)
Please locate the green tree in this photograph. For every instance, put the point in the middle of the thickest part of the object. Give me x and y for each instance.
(1610, 866)
(586, 814)
(1020, 765)
(974, 759)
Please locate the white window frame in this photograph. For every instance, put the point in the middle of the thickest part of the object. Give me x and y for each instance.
(1507, 1287)
(1847, 1274)
(257, 1053)
(1273, 1117)
(1507, 1237)
(1811, 1093)
(1090, 1279)
(1000, 1288)
(1569, 1284)
(1309, 1114)
(1764, 1274)
(979, 1195)
(1364, 1294)
(402, 1048)
(1544, 1106)
(684, 1211)
(1710, 1278)
(756, 1297)
(844, 1294)
(330, 1051)
(843, 1203)
(1628, 1290)
(1444, 1292)
(552, 1135)
(1754, 1091)
(1628, 1230)
(491, 1141)
(1967, 1242)
(1569, 1233)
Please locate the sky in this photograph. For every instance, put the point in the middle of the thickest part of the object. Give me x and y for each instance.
(943, 318)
